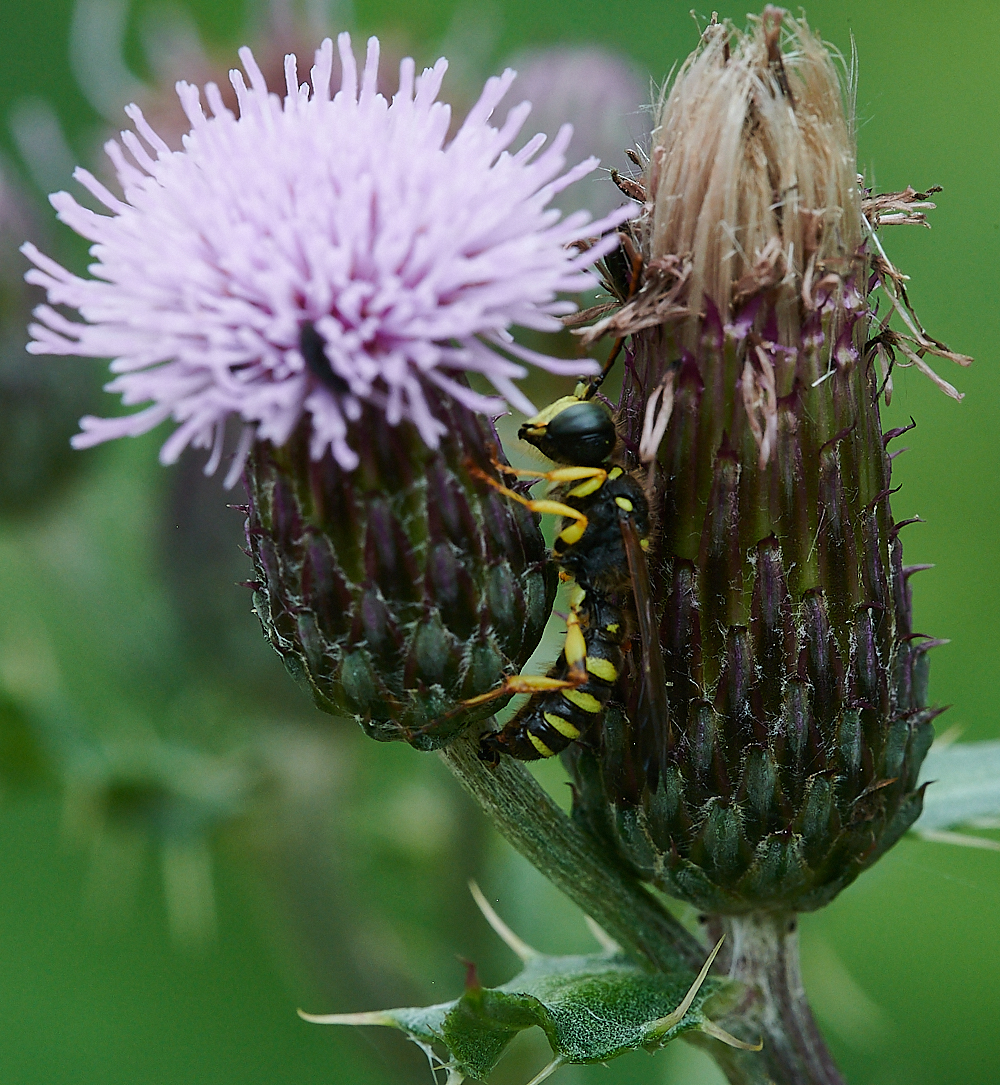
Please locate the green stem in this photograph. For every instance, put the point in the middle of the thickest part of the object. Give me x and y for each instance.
(530, 820)
(764, 956)
(763, 949)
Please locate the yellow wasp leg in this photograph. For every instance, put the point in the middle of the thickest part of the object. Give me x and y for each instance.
(560, 474)
(556, 508)
(575, 649)
(576, 656)
(525, 683)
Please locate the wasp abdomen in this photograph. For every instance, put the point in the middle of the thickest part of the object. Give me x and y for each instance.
(550, 721)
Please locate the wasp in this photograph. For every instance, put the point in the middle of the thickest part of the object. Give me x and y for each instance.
(601, 545)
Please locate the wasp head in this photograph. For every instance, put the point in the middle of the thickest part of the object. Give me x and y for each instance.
(573, 431)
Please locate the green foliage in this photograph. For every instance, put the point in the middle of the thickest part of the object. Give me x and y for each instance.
(592, 1008)
(25, 760)
(964, 786)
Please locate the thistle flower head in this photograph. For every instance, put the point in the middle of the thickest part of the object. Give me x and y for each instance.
(787, 758)
(319, 252)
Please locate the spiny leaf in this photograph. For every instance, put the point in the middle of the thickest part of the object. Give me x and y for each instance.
(592, 1008)
(964, 790)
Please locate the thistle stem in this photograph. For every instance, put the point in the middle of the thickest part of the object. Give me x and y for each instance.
(572, 860)
(762, 949)
(764, 955)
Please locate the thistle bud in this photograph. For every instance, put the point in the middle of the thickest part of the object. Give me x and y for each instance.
(796, 684)
(400, 589)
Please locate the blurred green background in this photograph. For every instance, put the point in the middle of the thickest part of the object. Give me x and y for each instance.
(189, 850)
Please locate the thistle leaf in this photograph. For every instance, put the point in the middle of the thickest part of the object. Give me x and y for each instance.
(964, 790)
(591, 1008)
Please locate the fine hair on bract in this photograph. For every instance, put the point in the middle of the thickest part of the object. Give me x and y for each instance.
(752, 175)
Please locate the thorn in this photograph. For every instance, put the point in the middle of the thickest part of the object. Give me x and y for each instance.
(664, 1024)
(898, 432)
(942, 836)
(372, 1017)
(606, 942)
(522, 949)
(471, 975)
(712, 1029)
(898, 526)
(546, 1072)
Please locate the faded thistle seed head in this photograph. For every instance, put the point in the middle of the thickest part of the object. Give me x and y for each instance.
(797, 687)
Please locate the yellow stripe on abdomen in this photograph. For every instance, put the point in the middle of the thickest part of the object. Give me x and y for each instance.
(602, 668)
(564, 727)
(584, 701)
(540, 746)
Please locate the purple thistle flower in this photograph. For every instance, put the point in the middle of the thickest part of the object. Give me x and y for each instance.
(319, 230)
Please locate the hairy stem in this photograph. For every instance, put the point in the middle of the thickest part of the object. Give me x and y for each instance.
(764, 956)
(527, 816)
(763, 949)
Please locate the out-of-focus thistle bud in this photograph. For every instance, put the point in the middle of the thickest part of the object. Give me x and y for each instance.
(335, 300)
(797, 687)
(38, 406)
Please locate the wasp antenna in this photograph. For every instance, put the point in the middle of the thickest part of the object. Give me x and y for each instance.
(521, 948)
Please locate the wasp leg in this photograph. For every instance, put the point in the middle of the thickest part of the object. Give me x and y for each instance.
(560, 474)
(556, 508)
(525, 683)
(575, 651)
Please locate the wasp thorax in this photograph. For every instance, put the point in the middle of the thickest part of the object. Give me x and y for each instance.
(796, 715)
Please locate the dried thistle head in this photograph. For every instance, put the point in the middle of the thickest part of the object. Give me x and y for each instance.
(753, 172)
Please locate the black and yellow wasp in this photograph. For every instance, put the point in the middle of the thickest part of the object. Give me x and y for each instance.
(601, 545)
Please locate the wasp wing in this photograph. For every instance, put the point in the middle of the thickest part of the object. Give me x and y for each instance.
(652, 714)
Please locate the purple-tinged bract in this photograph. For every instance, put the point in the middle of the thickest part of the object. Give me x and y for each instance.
(319, 252)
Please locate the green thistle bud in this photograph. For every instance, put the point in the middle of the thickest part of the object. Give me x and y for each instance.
(400, 589)
(797, 686)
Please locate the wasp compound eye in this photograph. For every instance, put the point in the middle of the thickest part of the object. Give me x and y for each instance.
(581, 432)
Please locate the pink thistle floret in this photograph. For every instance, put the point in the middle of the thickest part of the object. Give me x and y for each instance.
(342, 221)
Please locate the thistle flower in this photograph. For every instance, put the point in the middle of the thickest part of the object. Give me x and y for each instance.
(316, 254)
(329, 269)
(605, 98)
(796, 684)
